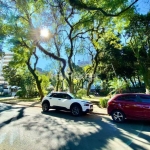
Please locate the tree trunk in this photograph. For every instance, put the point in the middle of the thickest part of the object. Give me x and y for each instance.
(70, 83)
(71, 87)
(38, 82)
(146, 77)
(39, 88)
(89, 87)
(82, 83)
(96, 59)
(140, 85)
(125, 79)
(132, 82)
(127, 83)
(58, 82)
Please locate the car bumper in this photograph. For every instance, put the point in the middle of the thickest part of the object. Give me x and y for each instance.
(88, 108)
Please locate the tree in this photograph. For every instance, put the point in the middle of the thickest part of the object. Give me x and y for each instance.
(138, 38)
(72, 31)
(22, 46)
(69, 28)
(117, 85)
(78, 77)
(22, 78)
(10, 74)
(111, 9)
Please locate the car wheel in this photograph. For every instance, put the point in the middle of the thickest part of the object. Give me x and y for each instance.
(118, 116)
(57, 109)
(75, 110)
(45, 107)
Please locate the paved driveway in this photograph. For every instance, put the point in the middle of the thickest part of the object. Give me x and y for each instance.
(28, 128)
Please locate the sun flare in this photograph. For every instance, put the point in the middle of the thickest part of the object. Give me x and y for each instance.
(44, 33)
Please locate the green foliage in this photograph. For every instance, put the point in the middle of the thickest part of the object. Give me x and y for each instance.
(138, 34)
(104, 92)
(103, 102)
(22, 24)
(50, 89)
(80, 93)
(117, 85)
(107, 8)
(23, 78)
(21, 94)
(45, 82)
(13, 76)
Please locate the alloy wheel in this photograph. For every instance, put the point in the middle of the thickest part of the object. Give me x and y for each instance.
(75, 110)
(45, 107)
(118, 116)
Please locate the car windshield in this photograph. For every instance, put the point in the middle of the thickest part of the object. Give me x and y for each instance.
(72, 95)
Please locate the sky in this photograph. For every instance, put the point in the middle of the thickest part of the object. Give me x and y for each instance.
(143, 8)
(46, 64)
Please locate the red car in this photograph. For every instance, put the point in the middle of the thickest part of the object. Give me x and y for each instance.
(129, 106)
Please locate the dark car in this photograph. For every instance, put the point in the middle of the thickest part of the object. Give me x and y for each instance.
(129, 106)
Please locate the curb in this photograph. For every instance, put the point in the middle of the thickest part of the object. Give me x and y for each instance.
(96, 113)
(14, 103)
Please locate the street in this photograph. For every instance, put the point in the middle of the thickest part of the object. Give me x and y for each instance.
(23, 128)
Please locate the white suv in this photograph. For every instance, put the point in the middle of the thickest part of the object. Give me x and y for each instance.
(66, 101)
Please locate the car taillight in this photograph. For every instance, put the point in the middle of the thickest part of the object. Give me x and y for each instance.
(109, 102)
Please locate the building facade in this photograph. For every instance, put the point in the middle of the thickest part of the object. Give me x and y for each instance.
(5, 58)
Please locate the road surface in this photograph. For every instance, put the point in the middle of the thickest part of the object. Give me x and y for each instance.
(27, 128)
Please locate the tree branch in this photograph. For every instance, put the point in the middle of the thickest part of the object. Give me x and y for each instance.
(36, 57)
(80, 5)
(52, 55)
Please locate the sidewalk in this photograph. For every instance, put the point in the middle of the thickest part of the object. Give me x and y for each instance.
(96, 109)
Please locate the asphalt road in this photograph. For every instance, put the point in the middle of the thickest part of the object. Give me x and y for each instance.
(27, 128)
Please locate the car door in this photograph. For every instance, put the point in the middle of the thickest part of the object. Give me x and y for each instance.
(54, 99)
(145, 102)
(64, 101)
(131, 106)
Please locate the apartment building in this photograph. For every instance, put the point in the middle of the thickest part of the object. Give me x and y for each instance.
(5, 58)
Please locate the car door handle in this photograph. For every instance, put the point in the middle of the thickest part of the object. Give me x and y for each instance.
(59, 99)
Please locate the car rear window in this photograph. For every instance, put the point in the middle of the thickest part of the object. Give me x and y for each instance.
(60, 95)
(66, 96)
(145, 98)
(131, 98)
(55, 95)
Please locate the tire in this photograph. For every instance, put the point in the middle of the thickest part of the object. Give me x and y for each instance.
(45, 107)
(57, 109)
(84, 113)
(76, 110)
(118, 116)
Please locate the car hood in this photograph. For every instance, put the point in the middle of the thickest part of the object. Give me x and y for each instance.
(83, 100)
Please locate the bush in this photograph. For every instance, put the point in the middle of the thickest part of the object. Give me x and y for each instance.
(20, 93)
(103, 102)
(104, 92)
(33, 94)
(80, 93)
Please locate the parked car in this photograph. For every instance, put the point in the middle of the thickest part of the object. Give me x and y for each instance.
(66, 101)
(129, 106)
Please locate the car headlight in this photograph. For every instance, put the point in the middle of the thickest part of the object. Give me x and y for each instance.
(86, 104)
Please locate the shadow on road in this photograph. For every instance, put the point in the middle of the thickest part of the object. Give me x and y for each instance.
(87, 132)
(19, 116)
(58, 130)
